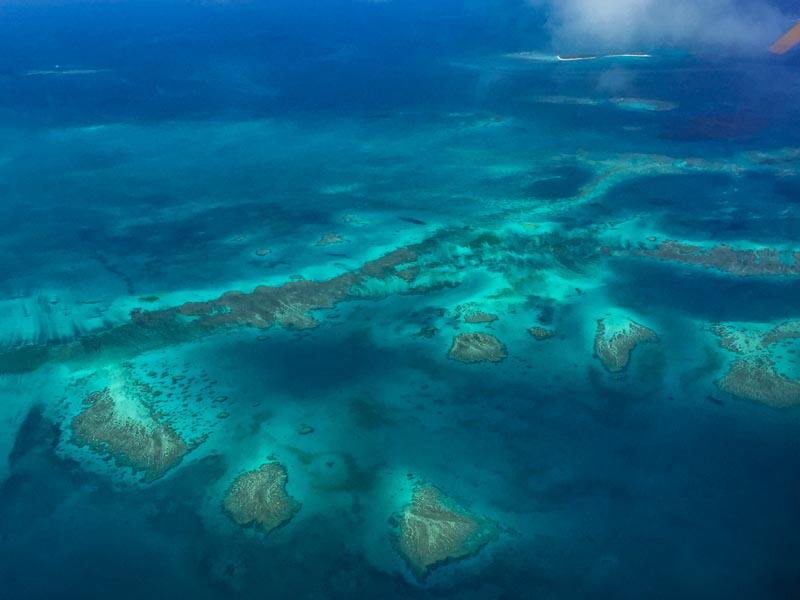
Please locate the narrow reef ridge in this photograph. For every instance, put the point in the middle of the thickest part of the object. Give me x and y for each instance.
(433, 530)
(754, 375)
(288, 305)
(123, 427)
(614, 342)
(750, 262)
(433, 264)
(477, 347)
(258, 498)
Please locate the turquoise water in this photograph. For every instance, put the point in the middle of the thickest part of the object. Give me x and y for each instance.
(181, 152)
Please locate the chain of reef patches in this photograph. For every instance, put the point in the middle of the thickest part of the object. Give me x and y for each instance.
(443, 260)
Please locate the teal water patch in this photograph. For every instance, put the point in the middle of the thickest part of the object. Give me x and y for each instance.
(702, 293)
(708, 206)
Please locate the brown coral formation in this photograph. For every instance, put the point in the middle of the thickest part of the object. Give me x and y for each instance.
(477, 347)
(614, 345)
(478, 316)
(125, 429)
(739, 341)
(541, 333)
(754, 376)
(756, 379)
(471, 313)
(287, 305)
(383, 267)
(785, 331)
(330, 238)
(259, 499)
(759, 261)
(434, 530)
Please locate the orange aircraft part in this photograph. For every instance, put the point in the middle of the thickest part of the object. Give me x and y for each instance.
(787, 41)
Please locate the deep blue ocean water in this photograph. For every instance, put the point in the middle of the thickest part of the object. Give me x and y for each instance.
(153, 154)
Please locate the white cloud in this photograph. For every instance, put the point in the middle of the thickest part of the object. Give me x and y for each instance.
(619, 25)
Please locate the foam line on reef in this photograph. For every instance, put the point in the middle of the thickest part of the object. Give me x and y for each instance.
(544, 57)
(59, 71)
(568, 58)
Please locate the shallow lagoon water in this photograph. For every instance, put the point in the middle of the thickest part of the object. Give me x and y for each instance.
(167, 176)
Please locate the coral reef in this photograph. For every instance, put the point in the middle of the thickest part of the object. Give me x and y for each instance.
(477, 347)
(330, 238)
(427, 331)
(384, 266)
(754, 376)
(259, 499)
(472, 314)
(436, 261)
(785, 331)
(408, 274)
(287, 305)
(478, 316)
(751, 262)
(737, 340)
(541, 333)
(123, 427)
(614, 342)
(434, 530)
(756, 379)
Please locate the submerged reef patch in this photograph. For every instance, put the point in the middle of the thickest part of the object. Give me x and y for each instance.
(541, 333)
(478, 316)
(433, 530)
(473, 314)
(383, 267)
(615, 340)
(330, 238)
(477, 347)
(755, 375)
(259, 499)
(756, 379)
(124, 427)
